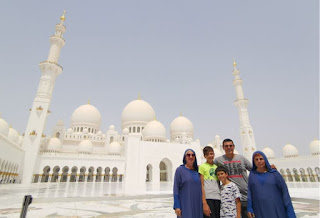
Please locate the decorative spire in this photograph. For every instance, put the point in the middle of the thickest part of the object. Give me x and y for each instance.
(63, 18)
(139, 96)
(155, 118)
(234, 64)
(89, 100)
(180, 114)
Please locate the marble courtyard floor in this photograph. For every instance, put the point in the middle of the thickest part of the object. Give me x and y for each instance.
(109, 200)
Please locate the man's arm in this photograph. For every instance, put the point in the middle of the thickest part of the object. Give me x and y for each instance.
(206, 208)
(247, 164)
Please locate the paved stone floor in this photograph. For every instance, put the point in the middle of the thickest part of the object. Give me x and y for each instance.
(108, 200)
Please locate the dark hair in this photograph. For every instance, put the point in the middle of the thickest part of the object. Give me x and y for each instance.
(207, 149)
(227, 140)
(221, 168)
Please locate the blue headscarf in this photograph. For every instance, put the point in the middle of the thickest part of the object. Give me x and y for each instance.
(195, 163)
(254, 167)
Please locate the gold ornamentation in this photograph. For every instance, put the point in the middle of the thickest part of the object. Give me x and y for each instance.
(33, 133)
(63, 18)
(39, 108)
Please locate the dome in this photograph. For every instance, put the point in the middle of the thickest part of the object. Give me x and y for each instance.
(4, 127)
(125, 131)
(154, 129)
(85, 146)
(137, 110)
(69, 131)
(315, 147)
(54, 145)
(114, 148)
(268, 152)
(13, 135)
(217, 152)
(86, 114)
(99, 133)
(181, 124)
(290, 151)
(112, 127)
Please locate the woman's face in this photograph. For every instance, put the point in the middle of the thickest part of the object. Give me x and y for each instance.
(259, 161)
(190, 157)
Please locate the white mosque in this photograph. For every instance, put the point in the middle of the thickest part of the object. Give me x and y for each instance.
(137, 154)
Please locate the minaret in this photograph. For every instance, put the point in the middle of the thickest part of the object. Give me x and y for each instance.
(246, 132)
(50, 69)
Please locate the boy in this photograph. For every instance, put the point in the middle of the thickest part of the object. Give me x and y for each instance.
(230, 195)
(210, 185)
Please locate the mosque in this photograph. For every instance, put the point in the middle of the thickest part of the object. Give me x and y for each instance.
(137, 154)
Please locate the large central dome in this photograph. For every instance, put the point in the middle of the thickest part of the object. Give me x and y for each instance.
(137, 111)
(86, 114)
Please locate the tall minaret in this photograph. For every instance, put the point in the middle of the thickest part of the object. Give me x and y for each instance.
(50, 69)
(246, 132)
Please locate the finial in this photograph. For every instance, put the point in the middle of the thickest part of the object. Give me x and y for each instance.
(10, 126)
(89, 101)
(155, 118)
(139, 97)
(180, 114)
(63, 18)
(0, 114)
(234, 64)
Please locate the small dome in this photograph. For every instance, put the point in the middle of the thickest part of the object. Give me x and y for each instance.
(268, 152)
(86, 114)
(114, 148)
(217, 152)
(125, 131)
(54, 145)
(85, 131)
(315, 147)
(112, 127)
(210, 145)
(99, 133)
(290, 151)
(69, 131)
(154, 130)
(181, 124)
(13, 135)
(85, 146)
(137, 110)
(4, 127)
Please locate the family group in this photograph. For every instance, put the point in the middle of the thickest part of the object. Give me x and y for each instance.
(221, 186)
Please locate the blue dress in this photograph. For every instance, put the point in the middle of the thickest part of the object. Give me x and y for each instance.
(268, 194)
(187, 193)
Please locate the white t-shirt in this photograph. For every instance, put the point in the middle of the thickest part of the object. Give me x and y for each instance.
(229, 194)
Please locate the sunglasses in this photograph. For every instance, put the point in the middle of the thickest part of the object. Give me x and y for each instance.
(190, 155)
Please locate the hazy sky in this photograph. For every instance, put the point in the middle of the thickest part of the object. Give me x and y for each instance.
(178, 55)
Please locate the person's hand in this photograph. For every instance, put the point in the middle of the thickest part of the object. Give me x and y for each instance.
(206, 210)
(273, 166)
(178, 212)
(251, 215)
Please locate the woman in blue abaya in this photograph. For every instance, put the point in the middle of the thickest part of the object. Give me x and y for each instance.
(187, 192)
(268, 194)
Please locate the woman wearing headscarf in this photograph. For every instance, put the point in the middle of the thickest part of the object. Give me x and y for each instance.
(268, 194)
(187, 191)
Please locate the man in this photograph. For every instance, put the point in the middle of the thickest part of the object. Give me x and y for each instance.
(237, 166)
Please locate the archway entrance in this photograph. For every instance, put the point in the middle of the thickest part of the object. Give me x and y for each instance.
(149, 173)
(165, 170)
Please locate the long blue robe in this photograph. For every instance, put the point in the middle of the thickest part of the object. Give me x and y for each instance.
(187, 193)
(268, 194)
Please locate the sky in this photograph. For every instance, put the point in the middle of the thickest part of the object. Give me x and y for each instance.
(178, 55)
